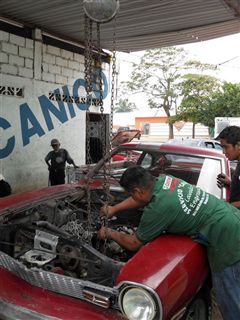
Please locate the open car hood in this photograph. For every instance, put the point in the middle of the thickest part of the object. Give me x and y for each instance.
(124, 137)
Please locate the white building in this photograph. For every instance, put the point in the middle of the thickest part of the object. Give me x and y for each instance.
(42, 97)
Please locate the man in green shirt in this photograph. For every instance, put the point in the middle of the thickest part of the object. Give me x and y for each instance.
(173, 206)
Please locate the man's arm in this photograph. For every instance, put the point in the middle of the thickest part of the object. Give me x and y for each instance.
(127, 241)
(235, 204)
(128, 203)
(47, 159)
(69, 159)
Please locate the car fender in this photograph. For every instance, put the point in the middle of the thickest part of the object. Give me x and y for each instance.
(174, 266)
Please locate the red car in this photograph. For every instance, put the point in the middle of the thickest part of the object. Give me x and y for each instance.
(52, 266)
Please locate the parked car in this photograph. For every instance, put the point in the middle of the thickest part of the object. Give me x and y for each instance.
(120, 129)
(200, 143)
(52, 266)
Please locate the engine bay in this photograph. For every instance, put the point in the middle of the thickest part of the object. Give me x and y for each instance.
(59, 235)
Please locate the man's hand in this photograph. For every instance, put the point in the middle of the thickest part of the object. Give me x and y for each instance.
(103, 233)
(127, 241)
(223, 180)
(107, 211)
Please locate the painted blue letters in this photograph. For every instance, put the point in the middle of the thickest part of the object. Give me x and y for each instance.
(48, 106)
(4, 124)
(25, 116)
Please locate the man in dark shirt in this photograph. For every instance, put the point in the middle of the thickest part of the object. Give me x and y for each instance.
(56, 161)
(230, 141)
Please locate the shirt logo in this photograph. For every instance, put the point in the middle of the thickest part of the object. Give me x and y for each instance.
(167, 183)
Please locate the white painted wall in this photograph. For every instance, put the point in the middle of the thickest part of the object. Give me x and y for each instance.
(38, 70)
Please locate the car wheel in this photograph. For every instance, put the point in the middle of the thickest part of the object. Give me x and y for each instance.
(199, 309)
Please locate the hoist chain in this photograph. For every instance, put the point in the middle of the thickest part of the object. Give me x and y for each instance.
(105, 137)
(105, 143)
(114, 72)
(88, 88)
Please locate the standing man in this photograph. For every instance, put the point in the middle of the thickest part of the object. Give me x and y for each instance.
(230, 142)
(174, 206)
(56, 161)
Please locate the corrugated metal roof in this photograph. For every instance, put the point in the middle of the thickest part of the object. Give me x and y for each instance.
(141, 24)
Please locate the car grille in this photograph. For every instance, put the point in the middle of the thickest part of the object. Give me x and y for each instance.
(59, 283)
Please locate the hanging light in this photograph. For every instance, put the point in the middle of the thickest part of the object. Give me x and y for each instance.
(101, 10)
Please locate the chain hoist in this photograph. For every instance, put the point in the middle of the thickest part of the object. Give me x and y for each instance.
(90, 7)
(88, 87)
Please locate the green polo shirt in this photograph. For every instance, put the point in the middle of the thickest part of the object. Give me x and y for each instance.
(180, 208)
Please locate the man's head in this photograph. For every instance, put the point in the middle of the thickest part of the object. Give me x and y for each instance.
(55, 144)
(138, 182)
(230, 141)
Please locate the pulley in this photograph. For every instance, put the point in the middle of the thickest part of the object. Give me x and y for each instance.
(101, 10)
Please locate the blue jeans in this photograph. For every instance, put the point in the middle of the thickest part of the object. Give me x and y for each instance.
(226, 285)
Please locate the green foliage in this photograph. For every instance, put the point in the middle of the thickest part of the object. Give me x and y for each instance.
(123, 105)
(225, 102)
(197, 91)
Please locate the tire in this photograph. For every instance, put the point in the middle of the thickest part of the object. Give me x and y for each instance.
(199, 308)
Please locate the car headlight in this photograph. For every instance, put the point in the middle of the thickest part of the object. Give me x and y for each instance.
(137, 303)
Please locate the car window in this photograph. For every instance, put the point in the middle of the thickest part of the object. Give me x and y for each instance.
(207, 180)
(218, 146)
(209, 144)
(146, 160)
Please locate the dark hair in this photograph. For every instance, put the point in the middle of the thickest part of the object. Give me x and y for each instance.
(136, 177)
(231, 134)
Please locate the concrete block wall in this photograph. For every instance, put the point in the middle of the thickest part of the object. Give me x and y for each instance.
(19, 57)
(16, 55)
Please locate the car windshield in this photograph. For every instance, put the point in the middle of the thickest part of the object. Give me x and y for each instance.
(198, 170)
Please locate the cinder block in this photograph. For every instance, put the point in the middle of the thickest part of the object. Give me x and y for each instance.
(61, 80)
(7, 69)
(4, 36)
(45, 67)
(3, 57)
(16, 60)
(29, 43)
(54, 69)
(48, 58)
(19, 41)
(78, 58)
(29, 63)
(48, 77)
(66, 54)
(27, 73)
(67, 72)
(61, 62)
(74, 65)
(82, 67)
(53, 50)
(9, 48)
(78, 75)
(26, 52)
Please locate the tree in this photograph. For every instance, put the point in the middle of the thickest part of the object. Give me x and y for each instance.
(225, 102)
(197, 93)
(158, 75)
(123, 105)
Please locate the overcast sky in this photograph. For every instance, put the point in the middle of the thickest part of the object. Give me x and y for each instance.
(223, 52)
